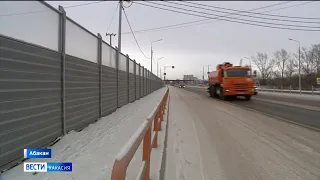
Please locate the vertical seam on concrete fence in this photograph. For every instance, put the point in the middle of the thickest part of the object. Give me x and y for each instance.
(100, 73)
(62, 49)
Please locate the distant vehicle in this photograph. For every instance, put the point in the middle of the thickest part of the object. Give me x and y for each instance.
(182, 86)
(230, 81)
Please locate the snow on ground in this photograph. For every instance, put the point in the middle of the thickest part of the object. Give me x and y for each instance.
(296, 96)
(183, 154)
(92, 150)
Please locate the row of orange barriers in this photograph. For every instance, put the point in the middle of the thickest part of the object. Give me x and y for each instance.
(143, 133)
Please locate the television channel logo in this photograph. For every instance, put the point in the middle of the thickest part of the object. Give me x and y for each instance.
(47, 167)
(35, 167)
(37, 153)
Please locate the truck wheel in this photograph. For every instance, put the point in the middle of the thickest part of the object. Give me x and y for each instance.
(221, 95)
(214, 92)
(248, 97)
(211, 91)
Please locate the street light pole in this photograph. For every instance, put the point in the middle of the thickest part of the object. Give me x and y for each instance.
(250, 65)
(158, 65)
(110, 34)
(299, 64)
(152, 51)
(203, 74)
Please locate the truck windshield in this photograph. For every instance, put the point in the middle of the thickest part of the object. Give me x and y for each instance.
(238, 73)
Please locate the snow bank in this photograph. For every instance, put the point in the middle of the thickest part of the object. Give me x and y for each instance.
(295, 96)
(92, 150)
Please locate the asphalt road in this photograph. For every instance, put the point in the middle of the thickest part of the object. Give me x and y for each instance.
(299, 110)
(214, 140)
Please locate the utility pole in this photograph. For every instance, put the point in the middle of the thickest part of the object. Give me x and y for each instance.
(119, 29)
(110, 34)
(119, 49)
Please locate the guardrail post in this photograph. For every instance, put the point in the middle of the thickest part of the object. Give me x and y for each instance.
(156, 129)
(62, 50)
(100, 73)
(146, 153)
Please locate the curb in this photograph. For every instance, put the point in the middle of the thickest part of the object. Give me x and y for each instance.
(164, 151)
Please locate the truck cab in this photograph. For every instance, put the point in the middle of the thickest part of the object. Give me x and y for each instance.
(230, 81)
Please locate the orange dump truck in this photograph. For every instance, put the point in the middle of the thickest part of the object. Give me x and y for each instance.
(230, 81)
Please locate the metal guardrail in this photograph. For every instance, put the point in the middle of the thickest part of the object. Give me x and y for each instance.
(290, 91)
(144, 133)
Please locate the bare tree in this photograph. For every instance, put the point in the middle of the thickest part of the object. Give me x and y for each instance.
(315, 49)
(281, 60)
(306, 61)
(291, 67)
(264, 64)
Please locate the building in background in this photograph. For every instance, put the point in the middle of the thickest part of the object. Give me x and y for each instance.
(194, 80)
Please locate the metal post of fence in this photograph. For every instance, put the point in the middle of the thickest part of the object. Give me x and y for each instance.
(100, 73)
(139, 81)
(143, 84)
(128, 78)
(62, 50)
(290, 89)
(117, 75)
(135, 79)
(312, 90)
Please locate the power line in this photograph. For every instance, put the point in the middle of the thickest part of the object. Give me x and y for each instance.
(33, 12)
(240, 22)
(266, 18)
(246, 20)
(112, 18)
(125, 14)
(241, 11)
(198, 22)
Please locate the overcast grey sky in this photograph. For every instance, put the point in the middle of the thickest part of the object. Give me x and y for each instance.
(189, 48)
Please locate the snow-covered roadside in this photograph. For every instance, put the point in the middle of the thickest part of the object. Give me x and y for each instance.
(295, 96)
(184, 159)
(92, 150)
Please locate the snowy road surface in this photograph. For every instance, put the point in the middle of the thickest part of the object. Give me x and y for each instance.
(213, 140)
(92, 150)
(301, 109)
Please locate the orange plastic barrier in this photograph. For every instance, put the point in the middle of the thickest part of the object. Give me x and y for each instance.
(143, 133)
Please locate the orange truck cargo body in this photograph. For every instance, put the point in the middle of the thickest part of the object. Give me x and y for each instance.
(231, 81)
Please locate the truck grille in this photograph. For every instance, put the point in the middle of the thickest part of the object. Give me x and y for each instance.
(240, 86)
